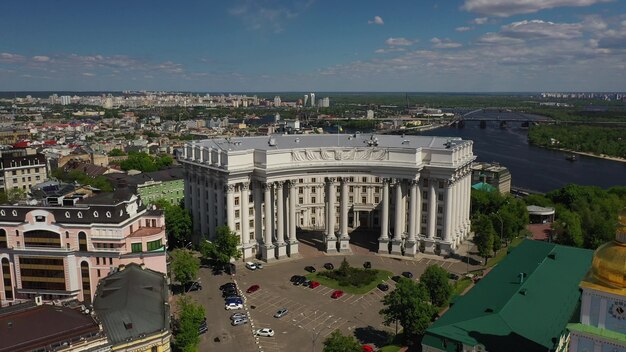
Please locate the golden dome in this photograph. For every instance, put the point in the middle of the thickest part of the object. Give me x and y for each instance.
(609, 260)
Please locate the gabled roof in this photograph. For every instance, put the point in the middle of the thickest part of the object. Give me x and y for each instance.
(132, 302)
(502, 309)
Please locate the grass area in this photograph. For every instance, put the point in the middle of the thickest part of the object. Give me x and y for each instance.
(381, 275)
(502, 252)
(460, 286)
(390, 348)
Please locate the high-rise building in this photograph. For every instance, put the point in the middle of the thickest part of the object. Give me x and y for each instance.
(66, 100)
(313, 99)
(306, 98)
(325, 102)
(277, 101)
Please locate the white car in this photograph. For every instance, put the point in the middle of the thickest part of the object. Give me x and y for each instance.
(251, 265)
(233, 305)
(265, 332)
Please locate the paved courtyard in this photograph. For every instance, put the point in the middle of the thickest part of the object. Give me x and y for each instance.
(313, 314)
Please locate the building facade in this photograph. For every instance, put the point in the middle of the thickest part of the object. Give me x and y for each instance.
(60, 252)
(415, 191)
(492, 174)
(21, 171)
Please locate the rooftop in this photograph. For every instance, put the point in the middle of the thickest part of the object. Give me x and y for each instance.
(132, 302)
(507, 313)
(277, 141)
(30, 327)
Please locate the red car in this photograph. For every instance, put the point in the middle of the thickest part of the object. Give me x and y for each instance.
(336, 294)
(314, 284)
(253, 288)
(368, 348)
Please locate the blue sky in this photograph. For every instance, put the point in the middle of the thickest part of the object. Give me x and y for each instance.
(314, 45)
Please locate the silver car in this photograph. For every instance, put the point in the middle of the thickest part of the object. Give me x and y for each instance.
(281, 313)
(238, 315)
(239, 321)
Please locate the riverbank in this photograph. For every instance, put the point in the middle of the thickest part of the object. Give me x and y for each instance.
(599, 156)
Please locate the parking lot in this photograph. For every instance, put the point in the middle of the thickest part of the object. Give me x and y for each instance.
(312, 315)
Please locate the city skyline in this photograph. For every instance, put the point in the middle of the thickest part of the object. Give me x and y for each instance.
(469, 45)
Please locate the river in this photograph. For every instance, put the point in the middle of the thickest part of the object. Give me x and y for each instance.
(531, 167)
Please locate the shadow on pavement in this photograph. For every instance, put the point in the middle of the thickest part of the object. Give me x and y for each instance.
(374, 336)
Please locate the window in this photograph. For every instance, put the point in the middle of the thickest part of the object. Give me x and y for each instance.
(300, 200)
(439, 210)
(364, 179)
(14, 212)
(236, 200)
(110, 261)
(376, 199)
(154, 245)
(40, 218)
(440, 196)
(108, 214)
(351, 179)
(237, 227)
(97, 260)
(80, 215)
(98, 272)
(364, 189)
(314, 190)
(236, 213)
(424, 194)
(135, 247)
(351, 189)
(351, 199)
(363, 200)
(313, 179)
(3, 213)
(300, 190)
(377, 179)
(37, 178)
(95, 214)
(440, 184)
(313, 200)
(67, 214)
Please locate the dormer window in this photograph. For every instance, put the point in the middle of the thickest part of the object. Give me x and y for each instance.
(108, 214)
(95, 214)
(67, 214)
(14, 212)
(40, 218)
(80, 215)
(3, 213)
(121, 212)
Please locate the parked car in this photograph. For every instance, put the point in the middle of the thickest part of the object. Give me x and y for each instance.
(453, 276)
(294, 278)
(234, 299)
(193, 286)
(367, 348)
(383, 287)
(265, 332)
(253, 288)
(251, 265)
(281, 313)
(259, 265)
(231, 285)
(233, 305)
(310, 269)
(238, 315)
(367, 265)
(306, 282)
(336, 294)
(329, 266)
(240, 321)
(314, 284)
(407, 274)
(396, 278)
(228, 293)
(300, 280)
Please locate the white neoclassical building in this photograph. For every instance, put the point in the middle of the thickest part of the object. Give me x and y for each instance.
(414, 189)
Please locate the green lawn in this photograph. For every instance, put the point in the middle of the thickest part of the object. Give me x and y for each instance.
(502, 252)
(390, 348)
(381, 276)
(460, 286)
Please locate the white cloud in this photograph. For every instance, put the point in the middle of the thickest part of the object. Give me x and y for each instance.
(10, 58)
(257, 16)
(480, 20)
(399, 42)
(377, 20)
(389, 50)
(497, 38)
(507, 8)
(444, 43)
(41, 58)
(463, 29)
(538, 29)
(88, 74)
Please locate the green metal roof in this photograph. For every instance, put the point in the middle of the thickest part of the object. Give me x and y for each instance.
(482, 186)
(502, 312)
(616, 337)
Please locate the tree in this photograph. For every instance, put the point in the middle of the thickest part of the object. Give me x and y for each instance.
(223, 247)
(409, 305)
(338, 342)
(435, 279)
(116, 152)
(185, 266)
(190, 317)
(484, 235)
(567, 228)
(178, 223)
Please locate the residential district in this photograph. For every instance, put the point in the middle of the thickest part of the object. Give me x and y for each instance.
(127, 225)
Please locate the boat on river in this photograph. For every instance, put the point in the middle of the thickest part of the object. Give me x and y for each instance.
(571, 157)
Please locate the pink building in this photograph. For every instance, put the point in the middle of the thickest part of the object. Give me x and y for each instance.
(62, 251)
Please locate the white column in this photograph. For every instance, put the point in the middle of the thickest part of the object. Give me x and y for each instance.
(344, 207)
(220, 203)
(468, 200)
(269, 218)
(398, 212)
(383, 240)
(230, 205)
(453, 210)
(245, 228)
(418, 210)
(332, 196)
(432, 208)
(280, 213)
(258, 212)
(292, 211)
(212, 206)
(447, 211)
(203, 205)
(413, 203)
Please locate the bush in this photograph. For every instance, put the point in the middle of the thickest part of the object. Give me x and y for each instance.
(349, 276)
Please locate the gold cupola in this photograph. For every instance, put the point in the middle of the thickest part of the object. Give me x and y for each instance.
(608, 268)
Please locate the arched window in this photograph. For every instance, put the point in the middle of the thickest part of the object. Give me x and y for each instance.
(82, 241)
(108, 214)
(95, 214)
(86, 284)
(67, 214)
(42, 238)
(80, 215)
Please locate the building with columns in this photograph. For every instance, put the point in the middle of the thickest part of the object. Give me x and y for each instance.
(413, 190)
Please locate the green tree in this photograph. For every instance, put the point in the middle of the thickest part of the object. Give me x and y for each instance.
(435, 279)
(484, 235)
(116, 152)
(145, 162)
(185, 266)
(567, 228)
(338, 342)
(190, 317)
(178, 223)
(409, 305)
(223, 247)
